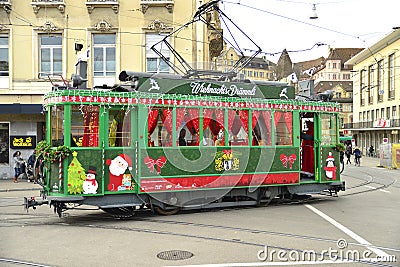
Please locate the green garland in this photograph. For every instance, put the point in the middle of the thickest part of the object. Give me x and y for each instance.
(51, 154)
(340, 147)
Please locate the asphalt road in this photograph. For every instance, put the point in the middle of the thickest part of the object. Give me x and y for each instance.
(363, 223)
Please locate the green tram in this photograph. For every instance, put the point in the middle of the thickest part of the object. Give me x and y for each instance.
(166, 143)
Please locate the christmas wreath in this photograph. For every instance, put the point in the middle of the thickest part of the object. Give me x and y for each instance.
(51, 154)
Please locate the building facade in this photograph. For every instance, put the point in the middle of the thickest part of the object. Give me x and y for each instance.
(335, 75)
(258, 69)
(41, 42)
(376, 93)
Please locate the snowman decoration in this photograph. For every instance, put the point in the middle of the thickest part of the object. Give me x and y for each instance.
(330, 168)
(90, 185)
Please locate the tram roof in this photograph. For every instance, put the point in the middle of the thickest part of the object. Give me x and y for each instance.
(110, 98)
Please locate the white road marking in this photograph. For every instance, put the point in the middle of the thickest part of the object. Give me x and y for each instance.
(384, 191)
(347, 231)
(370, 187)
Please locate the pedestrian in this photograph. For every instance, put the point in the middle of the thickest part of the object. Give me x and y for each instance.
(371, 151)
(18, 161)
(348, 154)
(31, 168)
(357, 156)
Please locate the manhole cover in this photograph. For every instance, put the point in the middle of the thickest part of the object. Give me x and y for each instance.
(174, 255)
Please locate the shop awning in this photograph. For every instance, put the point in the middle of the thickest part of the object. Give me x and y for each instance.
(20, 108)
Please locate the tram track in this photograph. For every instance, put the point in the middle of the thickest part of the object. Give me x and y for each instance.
(159, 223)
(372, 179)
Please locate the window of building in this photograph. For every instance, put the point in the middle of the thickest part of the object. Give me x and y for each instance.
(250, 73)
(84, 126)
(261, 74)
(388, 113)
(362, 87)
(4, 56)
(50, 55)
(382, 113)
(346, 76)
(4, 142)
(394, 112)
(104, 55)
(379, 83)
(256, 74)
(333, 76)
(391, 76)
(333, 65)
(154, 63)
(119, 125)
(283, 128)
(372, 115)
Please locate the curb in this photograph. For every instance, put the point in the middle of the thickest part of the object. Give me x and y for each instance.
(18, 189)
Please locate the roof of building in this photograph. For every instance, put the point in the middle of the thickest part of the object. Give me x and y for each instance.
(343, 54)
(322, 86)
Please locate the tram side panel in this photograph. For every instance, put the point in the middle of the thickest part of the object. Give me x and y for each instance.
(193, 168)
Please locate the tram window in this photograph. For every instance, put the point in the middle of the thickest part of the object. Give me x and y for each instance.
(213, 127)
(84, 126)
(57, 125)
(188, 119)
(119, 125)
(283, 128)
(329, 129)
(238, 127)
(159, 127)
(261, 123)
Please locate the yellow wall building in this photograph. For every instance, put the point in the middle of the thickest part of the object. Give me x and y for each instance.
(376, 93)
(41, 40)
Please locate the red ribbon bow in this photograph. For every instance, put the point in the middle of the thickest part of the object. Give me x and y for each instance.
(160, 162)
(285, 159)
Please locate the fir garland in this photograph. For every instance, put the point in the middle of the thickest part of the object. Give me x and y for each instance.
(51, 154)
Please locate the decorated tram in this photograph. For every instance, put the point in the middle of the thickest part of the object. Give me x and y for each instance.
(168, 143)
(189, 140)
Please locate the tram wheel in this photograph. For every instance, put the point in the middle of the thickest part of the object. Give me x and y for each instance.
(166, 212)
(264, 202)
(121, 212)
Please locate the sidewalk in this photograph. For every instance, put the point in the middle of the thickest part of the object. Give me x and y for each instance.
(7, 185)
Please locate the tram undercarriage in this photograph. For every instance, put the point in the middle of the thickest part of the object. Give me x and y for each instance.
(169, 203)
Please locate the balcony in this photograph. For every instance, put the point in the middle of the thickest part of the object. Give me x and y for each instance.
(168, 4)
(92, 4)
(6, 5)
(392, 123)
(37, 4)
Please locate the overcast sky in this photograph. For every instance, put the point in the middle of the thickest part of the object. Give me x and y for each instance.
(277, 24)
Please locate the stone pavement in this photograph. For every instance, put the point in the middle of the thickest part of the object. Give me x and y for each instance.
(23, 185)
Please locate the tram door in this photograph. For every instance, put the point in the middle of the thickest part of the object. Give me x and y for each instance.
(308, 146)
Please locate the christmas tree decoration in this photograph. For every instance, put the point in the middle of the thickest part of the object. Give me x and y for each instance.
(76, 175)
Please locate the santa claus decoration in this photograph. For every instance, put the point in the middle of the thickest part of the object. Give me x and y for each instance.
(90, 185)
(117, 168)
